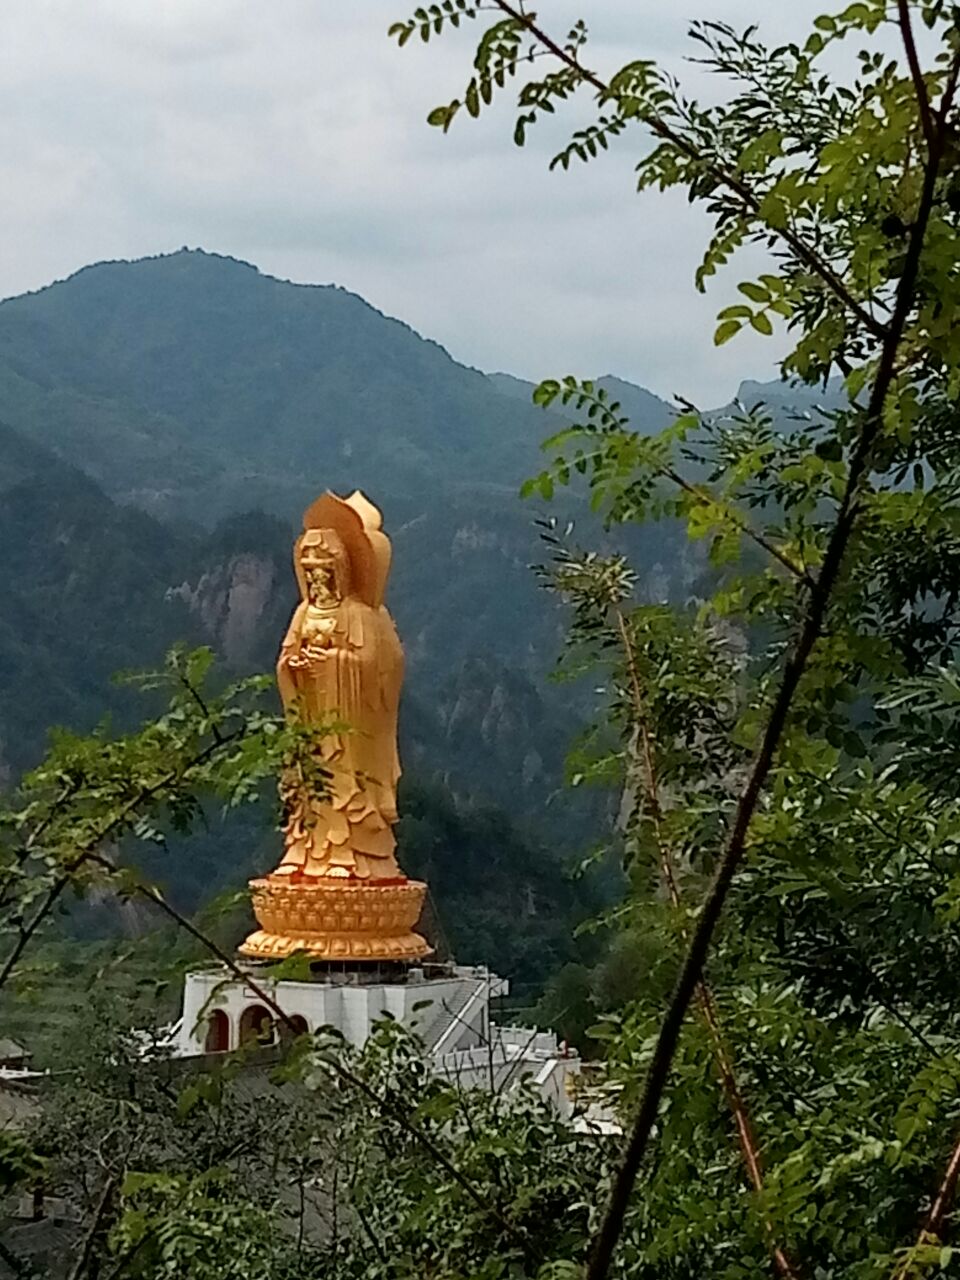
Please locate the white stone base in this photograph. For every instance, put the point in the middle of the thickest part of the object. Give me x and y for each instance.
(448, 1009)
(448, 1012)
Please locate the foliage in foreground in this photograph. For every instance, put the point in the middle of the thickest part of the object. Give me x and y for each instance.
(786, 748)
(341, 1163)
(265, 1169)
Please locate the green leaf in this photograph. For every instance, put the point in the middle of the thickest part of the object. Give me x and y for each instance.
(442, 117)
(403, 31)
(854, 745)
(755, 292)
(546, 392)
(19, 1162)
(187, 1099)
(761, 322)
(725, 332)
(738, 312)
(830, 450)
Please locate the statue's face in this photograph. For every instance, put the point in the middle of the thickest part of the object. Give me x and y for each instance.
(321, 583)
(324, 572)
(324, 563)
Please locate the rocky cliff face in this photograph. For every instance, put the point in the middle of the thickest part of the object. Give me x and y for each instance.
(232, 602)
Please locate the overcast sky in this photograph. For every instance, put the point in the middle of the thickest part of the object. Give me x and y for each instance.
(291, 133)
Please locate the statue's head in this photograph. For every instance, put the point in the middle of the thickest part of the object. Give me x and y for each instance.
(344, 543)
(325, 566)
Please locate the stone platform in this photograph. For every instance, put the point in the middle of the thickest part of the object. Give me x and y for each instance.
(448, 1006)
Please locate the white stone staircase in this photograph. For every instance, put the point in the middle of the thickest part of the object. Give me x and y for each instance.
(452, 1017)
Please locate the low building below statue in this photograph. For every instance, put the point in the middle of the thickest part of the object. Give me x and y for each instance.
(447, 1006)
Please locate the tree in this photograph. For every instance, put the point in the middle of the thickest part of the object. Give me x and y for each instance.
(213, 1177)
(787, 749)
(266, 1168)
(848, 616)
(176, 1171)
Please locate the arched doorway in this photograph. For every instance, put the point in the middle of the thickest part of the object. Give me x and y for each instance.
(299, 1027)
(217, 1039)
(256, 1026)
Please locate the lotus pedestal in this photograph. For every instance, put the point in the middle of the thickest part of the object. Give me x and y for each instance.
(339, 920)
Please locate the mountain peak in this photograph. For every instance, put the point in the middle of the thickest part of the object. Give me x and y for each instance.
(193, 383)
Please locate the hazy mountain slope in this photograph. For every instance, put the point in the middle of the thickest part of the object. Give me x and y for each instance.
(197, 389)
(647, 412)
(89, 586)
(82, 583)
(785, 398)
(197, 386)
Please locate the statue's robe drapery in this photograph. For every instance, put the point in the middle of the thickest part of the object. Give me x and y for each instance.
(356, 680)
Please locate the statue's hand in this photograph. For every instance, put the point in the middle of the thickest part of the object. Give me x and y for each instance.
(317, 636)
(318, 647)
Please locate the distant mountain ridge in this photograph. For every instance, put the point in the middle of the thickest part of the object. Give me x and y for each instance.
(647, 412)
(195, 386)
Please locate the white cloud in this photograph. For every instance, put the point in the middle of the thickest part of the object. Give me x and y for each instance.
(292, 134)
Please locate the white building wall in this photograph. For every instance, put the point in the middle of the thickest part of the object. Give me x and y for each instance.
(453, 1018)
(352, 1008)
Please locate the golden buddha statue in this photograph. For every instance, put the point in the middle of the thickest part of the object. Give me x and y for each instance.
(341, 659)
(338, 891)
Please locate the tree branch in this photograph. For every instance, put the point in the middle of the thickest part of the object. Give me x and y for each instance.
(949, 91)
(27, 932)
(729, 180)
(708, 1008)
(87, 851)
(96, 1227)
(202, 707)
(931, 1232)
(818, 601)
(909, 44)
(742, 524)
(26, 849)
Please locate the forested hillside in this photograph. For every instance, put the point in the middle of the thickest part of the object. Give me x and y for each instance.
(165, 422)
(195, 386)
(155, 406)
